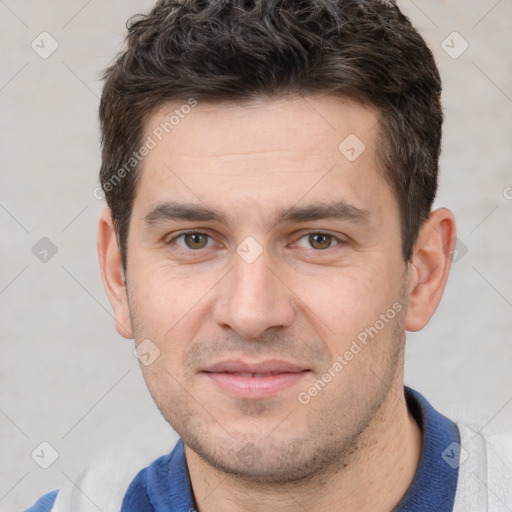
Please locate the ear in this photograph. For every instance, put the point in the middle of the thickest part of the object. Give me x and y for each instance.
(429, 267)
(112, 273)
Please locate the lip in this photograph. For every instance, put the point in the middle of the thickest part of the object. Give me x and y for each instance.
(268, 366)
(254, 380)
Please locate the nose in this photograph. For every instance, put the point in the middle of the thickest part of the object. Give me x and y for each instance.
(253, 299)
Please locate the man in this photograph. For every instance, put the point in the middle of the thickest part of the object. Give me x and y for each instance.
(270, 170)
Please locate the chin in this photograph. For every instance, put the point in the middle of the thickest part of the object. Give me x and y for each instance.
(268, 461)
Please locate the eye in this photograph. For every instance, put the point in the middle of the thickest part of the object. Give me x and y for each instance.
(193, 240)
(319, 241)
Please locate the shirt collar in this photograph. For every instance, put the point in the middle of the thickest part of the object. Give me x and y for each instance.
(435, 481)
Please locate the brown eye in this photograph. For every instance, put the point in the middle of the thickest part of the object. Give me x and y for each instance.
(195, 240)
(320, 241)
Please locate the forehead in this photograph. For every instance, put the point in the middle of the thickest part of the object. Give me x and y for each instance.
(269, 151)
(313, 123)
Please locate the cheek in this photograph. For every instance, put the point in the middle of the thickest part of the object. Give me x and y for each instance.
(170, 318)
(166, 307)
(345, 303)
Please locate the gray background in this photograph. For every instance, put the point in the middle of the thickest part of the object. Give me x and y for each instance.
(69, 379)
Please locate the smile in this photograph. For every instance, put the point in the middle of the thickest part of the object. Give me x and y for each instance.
(254, 380)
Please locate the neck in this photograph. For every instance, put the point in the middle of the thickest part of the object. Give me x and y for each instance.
(374, 477)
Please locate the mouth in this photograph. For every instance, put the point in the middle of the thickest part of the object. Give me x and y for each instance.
(255, 380)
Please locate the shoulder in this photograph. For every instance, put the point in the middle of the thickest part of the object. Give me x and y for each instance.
(102, 486)
(485, 471)
(44, 504)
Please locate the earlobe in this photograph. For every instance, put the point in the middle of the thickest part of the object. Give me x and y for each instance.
(112, 273)
(429, 267)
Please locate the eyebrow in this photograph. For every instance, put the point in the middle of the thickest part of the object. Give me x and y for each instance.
(339, 210)
(168, 211)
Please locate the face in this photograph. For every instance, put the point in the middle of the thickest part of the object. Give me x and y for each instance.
(265, 272)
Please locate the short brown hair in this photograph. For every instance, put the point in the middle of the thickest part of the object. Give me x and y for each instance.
(235, 50)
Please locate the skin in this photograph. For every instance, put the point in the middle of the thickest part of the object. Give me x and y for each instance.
(304, 300)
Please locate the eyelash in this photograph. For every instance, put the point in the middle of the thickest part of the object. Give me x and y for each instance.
(339, 241)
